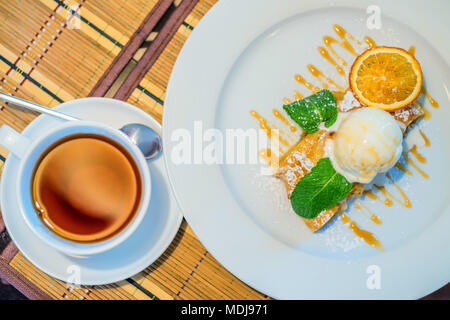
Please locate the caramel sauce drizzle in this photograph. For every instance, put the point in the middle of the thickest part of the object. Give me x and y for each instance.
(427, 113)
(265, 154)
(338, 95)
(283, 119)
(268, 156)
(389, 196)
(367, 236)
(370, 42)
(433, 102)
(268, 127)
(286, 100)
(418, 156)
(262, 123)
(307, 84)
(328, 42)
(407, 202)
(364, 209)
(345, 218)
(425, 138)
(387, 202)
(402, 168)
(324, 53)
(298, 95)
(371, 195)
(411, 162)
(320, 76)
(342, 33)
(375, 219)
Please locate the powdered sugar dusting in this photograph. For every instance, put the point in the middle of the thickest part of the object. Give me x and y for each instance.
(348, 103)
(404, 114)
(340, 238)
(298, 162)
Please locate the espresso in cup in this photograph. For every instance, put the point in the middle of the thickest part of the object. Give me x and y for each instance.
(86, 188)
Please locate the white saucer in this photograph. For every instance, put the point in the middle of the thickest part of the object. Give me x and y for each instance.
(141, 249)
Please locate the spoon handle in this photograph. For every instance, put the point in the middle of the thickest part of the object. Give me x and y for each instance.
(34, 106)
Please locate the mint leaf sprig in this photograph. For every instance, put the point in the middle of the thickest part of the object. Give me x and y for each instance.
(319, 190)
(311, 111)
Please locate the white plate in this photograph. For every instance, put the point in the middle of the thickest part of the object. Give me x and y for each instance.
(245, 220)
(141, 249)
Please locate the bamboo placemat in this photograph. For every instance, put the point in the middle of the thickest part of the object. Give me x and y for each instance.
(53, 51)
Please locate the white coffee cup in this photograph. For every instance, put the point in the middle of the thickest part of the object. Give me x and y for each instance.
(29, 152)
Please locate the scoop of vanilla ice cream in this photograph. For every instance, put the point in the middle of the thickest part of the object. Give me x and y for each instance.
(367, 141)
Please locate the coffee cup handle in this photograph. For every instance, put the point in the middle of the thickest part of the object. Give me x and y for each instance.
(12, 140)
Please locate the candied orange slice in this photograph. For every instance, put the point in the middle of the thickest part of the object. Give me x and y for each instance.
(386, 77)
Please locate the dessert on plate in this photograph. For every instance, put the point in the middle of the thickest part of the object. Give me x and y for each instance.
(358, 159)
(349, 135)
